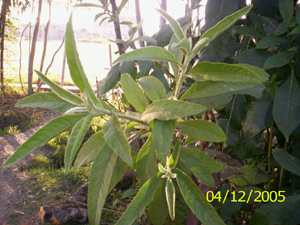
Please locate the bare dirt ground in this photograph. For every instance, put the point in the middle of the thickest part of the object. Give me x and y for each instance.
(16, 205)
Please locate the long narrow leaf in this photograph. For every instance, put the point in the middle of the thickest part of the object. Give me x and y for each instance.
(286, 106)
(145, 163)
(201, 165)
(76, 70)
(241, 73)
(175, 26)
(162, 136)
(205, 89)
(287, 161)
(225, 23)
(90, 149)
(133, 93)
(75, 139)
(60, 92)
(202, 130)
(171, 110)
(171, 198)
(42, 136)
(142, 199)
(46, 101)
(205, 212)
(153, 88)
(99, 183)
(117, 141)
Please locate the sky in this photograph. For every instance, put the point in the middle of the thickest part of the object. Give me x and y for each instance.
(84, 17)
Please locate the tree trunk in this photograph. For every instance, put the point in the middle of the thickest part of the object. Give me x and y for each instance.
(45, 43)
(46, 36)
(63, 70)
(20, 58)
(163, 6)
(138, 20)
(33, 46)
(4, 10)
(117, 26)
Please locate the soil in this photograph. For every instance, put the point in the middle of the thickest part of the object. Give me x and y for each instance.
(16, 205)
(17, 202)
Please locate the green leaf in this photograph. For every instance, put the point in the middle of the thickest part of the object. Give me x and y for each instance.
(240, 73)
(162, 136)
(201, 44)
(153, 88)
(249, 175)
(282, 28)
(142, 199)
(133, 93)
(269, 42)
(76, 70)
(42, 136)
(110, 81)
(295, 31)
(145, 163)
(171, 110)
(118, 174)
(46, 101)
(60, 92)
(175, 26)
(258, 117)
(285, 213)
(287, 161)
(202, 130)
(99, 183)
(286, 8)
(114, 75)
(75, 140)
(215, 102)
(150, 53)
(286, 107)
(117, 141)
(201, 165)
(90, 149)
(75, 67)
(171, 198)
(298, 14)
(89, 152)
(225, 23)
(157, 211)
(205, 89)
(278, 60)
(253, 57)
(205, 212)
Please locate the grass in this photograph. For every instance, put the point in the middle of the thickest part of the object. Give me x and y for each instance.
(11, 130)
(57, 182)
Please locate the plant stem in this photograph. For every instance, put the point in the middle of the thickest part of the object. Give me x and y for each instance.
(270, 141)
(281, 169)
(117, 27)
(178, 85)
(124, 115)
(180, 80)
(130, 116)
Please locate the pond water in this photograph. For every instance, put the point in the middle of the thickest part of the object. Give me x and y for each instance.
(94, 57)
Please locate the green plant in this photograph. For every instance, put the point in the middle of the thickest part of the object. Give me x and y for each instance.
(265, 131)
(164, 160)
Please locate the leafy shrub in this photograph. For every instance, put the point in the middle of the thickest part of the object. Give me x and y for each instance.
(169, 168)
